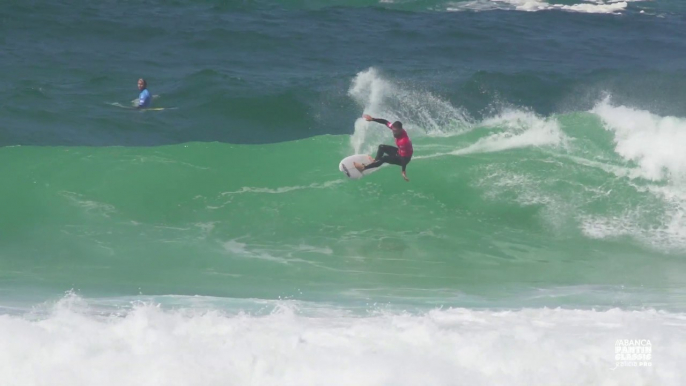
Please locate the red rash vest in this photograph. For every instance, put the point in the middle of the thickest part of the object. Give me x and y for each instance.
(403, 143)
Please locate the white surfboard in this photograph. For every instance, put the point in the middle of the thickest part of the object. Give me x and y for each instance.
(134, 102)
(347, 167)
(117, 104)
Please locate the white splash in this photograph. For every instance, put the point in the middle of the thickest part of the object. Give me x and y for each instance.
(75, 345)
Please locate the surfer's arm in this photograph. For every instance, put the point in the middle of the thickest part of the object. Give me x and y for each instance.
(383, 122)
(377, 120)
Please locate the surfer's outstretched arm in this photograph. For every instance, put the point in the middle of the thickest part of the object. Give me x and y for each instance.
(377, 120)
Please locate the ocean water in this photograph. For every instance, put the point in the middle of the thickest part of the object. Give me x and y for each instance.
(215, 242)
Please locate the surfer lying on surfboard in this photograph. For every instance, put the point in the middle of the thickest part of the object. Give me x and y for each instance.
(400, 155)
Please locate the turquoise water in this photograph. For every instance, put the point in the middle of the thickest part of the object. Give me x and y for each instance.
(216, 242)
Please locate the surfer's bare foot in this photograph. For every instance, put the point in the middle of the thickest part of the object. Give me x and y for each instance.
(359, 167)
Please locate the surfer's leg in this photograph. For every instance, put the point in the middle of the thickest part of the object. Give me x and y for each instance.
(374, 164)
(360, 167)
(385, 154)
(385, 149)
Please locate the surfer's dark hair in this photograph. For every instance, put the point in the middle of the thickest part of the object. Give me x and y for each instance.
(397, 125)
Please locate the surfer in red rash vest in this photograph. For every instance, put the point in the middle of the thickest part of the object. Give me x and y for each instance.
(400, 155)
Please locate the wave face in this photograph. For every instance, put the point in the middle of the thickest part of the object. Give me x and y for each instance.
(497, 209)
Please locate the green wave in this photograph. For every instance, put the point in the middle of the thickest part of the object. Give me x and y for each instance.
(499, 207)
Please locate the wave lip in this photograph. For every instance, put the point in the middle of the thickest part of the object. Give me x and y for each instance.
(653, 142)
(422, 113)
(587, 6)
